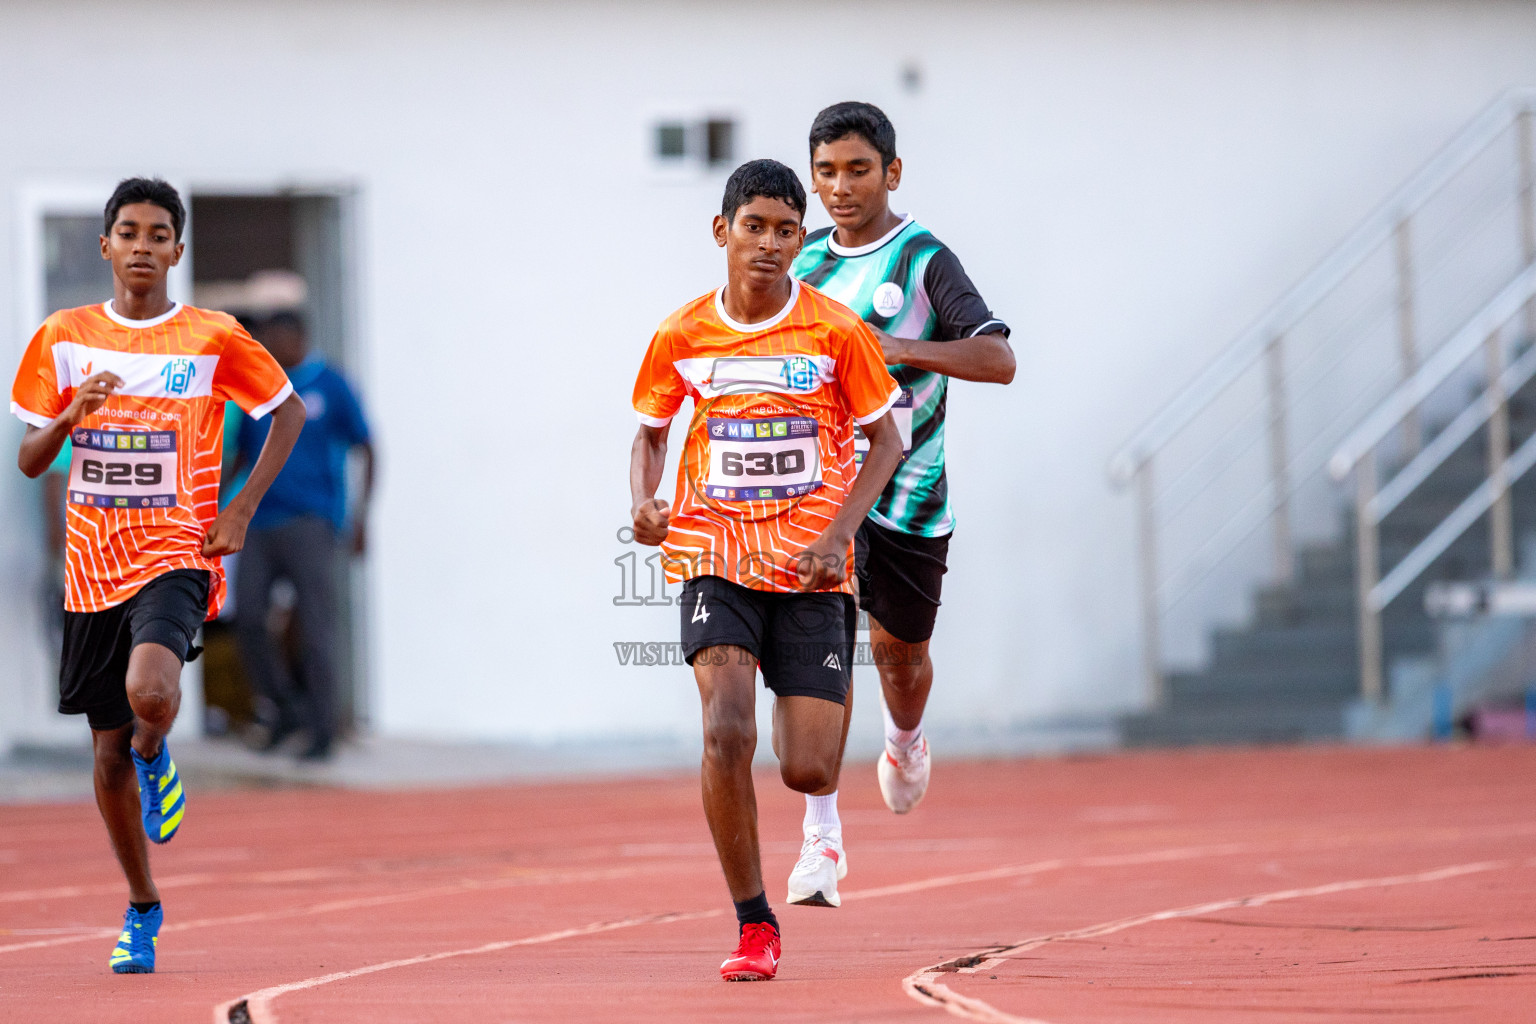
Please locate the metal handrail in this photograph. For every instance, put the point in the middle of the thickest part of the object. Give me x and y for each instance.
(1378, 228)
(1451, 437)
(1451, 527)
(1390, 230)
(1404, 399)
(1357, 455)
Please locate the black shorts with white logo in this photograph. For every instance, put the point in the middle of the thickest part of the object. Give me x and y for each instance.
(93, 671)
(900, 577)
(801, 641)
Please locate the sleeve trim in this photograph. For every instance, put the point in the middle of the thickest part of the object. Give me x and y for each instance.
(652, 421)
(29, 417)
(889, 402)
(983, 328)
(273, 402)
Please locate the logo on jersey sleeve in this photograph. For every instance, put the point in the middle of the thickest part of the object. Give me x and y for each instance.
(889, 299)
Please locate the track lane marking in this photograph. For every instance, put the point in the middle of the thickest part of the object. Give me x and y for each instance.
(355, 903)
(183, 881)
(258, 1004)
(925, 987)
(374, 869)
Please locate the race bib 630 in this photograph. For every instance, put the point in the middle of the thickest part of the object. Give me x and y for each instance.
(763, 459)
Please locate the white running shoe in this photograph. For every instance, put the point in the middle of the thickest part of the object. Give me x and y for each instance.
(821, 866)
(904, 775)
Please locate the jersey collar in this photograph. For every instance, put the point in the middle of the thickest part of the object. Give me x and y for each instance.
(773, 321)
(115, 317)
(865, 250)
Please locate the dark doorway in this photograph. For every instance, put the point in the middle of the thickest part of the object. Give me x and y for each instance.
(254, 255)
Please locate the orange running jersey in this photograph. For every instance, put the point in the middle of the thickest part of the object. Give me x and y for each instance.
(144, 480)
(769, 456)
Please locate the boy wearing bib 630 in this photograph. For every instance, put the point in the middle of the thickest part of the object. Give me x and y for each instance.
(768, 500)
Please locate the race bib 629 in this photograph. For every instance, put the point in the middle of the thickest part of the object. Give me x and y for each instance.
(123, 469)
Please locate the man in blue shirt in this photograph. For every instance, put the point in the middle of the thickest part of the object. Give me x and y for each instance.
(294, 535)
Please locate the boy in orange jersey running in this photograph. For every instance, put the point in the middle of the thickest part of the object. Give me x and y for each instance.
(768, 501)
(138, 385)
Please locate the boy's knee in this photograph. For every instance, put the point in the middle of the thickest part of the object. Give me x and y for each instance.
(730, 738)
(111, 758)
(806, 776)
(901, 674)
(152, 699)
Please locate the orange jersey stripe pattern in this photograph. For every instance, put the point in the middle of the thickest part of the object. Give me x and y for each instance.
(144, 477)
(768, 459)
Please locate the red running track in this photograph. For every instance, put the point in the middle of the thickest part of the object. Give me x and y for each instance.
(1231, 887)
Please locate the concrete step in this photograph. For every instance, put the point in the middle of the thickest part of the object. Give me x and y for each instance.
(1248, 723)
(1259, 683)
(1312, 642)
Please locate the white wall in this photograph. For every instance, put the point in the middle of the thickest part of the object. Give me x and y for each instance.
(1128, 183)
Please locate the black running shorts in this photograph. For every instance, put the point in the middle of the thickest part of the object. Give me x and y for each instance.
(93, 671)
(800, 640)
(900, 576)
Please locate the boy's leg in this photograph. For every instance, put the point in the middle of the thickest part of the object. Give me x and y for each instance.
(117, 797)
(727, 680)
(154, 693)
(722, 624)
(806, 662)
(808, 734)
(906, 676)
(162, 619)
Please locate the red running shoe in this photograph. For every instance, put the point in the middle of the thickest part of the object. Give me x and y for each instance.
(756, 957)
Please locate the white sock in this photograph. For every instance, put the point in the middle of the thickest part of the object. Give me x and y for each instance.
(901, 739)
(821, 812)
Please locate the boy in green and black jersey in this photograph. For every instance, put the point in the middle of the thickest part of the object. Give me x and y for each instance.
(933, 325)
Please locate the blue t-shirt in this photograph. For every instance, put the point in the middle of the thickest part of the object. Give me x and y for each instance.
(313, 480)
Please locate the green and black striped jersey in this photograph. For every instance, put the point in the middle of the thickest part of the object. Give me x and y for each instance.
(911, 285)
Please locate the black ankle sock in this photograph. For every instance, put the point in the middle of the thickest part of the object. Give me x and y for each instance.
(144, 908)
(756, 911)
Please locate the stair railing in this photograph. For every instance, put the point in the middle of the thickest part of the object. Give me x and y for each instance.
(1486, 333)
(1270, 358)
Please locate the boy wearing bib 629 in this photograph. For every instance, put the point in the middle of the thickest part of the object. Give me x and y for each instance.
(138, 385)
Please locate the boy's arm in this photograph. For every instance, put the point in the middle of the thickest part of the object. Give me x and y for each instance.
(823, 564)
(647, 461)
(975, 343)
(987, 358)
(40, 445)
(227, 533)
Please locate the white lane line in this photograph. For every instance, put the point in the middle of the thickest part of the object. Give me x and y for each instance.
(357, 903)
(638, 850)
(183, 881)
(258, 1004)
(924, 985)
(1040, 866)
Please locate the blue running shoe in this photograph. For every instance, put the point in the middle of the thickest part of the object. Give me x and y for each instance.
(135, 952)
(160, 797)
